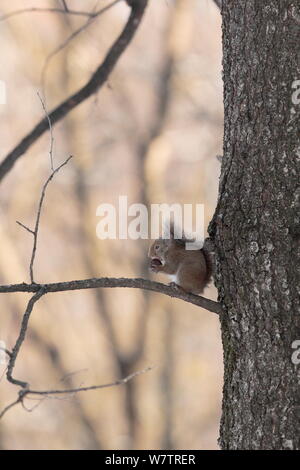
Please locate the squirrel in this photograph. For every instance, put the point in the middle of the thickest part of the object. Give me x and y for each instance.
(190, 270)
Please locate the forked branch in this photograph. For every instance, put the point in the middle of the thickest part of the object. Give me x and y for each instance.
(97, 80)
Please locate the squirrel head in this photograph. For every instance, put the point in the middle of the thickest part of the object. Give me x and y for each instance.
(158, 253)
(165, 254)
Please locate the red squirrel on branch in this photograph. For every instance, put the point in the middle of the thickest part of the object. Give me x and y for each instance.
(190, 270)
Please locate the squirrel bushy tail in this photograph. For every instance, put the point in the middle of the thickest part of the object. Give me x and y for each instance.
(206, 250)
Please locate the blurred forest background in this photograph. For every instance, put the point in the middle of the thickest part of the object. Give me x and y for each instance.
(152, 133)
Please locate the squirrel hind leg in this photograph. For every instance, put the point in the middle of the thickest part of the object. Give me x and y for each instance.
(191, 280)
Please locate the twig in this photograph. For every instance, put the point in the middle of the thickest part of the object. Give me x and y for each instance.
(53, 172)
(38, 216)
(65, 5)
(24, 392)
(92, 17)
(50, 130)
(62, 46)
(7, 351)
(37, 223)
(91, 387)
(97, 80)
(21, 337)
(8, 407)
(25, 227)
(30, 410)
(47, 10)
(106, 282)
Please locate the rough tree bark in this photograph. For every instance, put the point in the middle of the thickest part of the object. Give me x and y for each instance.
(256, 225)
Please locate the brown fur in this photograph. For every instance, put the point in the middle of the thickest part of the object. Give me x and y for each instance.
(192, 267)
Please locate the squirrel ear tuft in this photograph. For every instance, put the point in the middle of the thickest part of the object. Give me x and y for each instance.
(172, 230)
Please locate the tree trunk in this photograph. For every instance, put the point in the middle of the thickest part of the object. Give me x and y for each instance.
(255, 229)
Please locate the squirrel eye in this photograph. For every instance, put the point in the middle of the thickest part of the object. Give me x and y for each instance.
(156, 247)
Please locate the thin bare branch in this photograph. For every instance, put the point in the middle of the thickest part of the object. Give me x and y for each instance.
(50, 130)
(65, 5)
(106, 282)
(90, 20)
(7, 351)
(91, 387)
(21, 337)
(8, 407)
(36, 405)
(96, 81)
(42, 197)
(47, 10)
(62, 46)
(46, 393)
(25, 227)
(37, 222)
